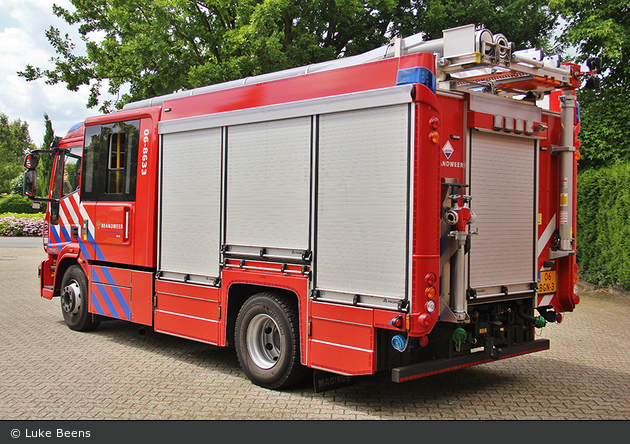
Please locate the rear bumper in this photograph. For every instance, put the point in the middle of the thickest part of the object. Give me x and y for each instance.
(415, 371)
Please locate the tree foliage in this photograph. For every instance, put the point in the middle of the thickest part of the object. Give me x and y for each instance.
(602, 28)
(14, 143)
(161, 46)
(526, 23)
(46, 160)
(603, 235)
(605, 127)
(599, 28)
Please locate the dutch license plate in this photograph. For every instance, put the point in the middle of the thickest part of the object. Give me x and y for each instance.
(547, 282)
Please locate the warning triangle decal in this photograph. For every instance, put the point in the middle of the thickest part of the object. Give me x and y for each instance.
(448, 149)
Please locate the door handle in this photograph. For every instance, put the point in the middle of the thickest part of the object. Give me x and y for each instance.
(126, 227)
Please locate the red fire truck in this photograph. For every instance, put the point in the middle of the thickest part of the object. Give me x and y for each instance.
(410, 209)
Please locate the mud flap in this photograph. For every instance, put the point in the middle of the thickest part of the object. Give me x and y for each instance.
(324, 381)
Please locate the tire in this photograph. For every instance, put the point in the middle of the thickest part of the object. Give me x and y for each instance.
(74, 300)
(268, 342)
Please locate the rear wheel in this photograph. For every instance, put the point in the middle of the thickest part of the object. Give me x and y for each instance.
(74, 300)
(268, 342)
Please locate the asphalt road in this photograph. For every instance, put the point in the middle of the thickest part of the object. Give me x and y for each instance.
(49, 372)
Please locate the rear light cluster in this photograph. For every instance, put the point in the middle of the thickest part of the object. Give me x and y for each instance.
(434, 136)
(430, 292)
(425, 319)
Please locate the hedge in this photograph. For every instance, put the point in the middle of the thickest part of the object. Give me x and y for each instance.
(18, 204)
(603, 225)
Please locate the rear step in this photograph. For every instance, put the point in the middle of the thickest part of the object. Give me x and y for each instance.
(415, 371)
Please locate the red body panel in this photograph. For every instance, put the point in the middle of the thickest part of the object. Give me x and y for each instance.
(121, 293)
(357, 78)
(142, 297)
(548, 215)
(187, 310)
(342, 339)
(426, 210)
(452, 139)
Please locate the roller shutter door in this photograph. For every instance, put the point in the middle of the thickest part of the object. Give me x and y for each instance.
(502, 184)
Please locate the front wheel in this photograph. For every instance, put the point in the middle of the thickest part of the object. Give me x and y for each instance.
(74, 300)
(268, 343)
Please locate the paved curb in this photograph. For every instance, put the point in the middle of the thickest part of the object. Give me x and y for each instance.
(22, 242)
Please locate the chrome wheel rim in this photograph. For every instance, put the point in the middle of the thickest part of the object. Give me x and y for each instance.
(263, 341)
(71, 298)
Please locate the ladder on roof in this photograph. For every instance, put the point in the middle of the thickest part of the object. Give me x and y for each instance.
(469, 59)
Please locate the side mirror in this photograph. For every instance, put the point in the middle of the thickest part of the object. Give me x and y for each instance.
(30, 183)
(55, 143)
(31, 161)
(594, 64)
(593, 82)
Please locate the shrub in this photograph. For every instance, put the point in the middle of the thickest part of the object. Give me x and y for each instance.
(17, 185)
(21, 225)
(18, 204)
(603, 232)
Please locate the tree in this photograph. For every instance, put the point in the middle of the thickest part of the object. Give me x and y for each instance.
(14, 143)
(526, 23)
(161, 46)
(605, 127)
(45, 160)
(601, 28)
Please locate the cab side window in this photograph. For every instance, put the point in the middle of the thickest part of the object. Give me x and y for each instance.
(110, 161)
